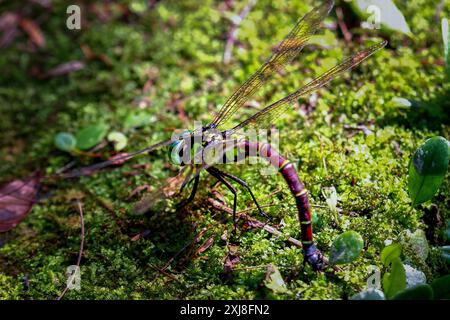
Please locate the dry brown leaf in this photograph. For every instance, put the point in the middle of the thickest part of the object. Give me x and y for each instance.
(33, 31)
(16, 201)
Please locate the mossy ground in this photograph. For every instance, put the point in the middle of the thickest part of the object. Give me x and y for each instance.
(177, 48)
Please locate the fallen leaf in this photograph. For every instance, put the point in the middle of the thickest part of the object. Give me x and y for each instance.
(91, 55)
(173, 185)
(208, 243)
(139, 189)
(87, 51)
(140, 235)
(16, 201)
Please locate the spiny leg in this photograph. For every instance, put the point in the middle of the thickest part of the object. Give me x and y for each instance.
(219, 177)
(192, 195)
(245, 185)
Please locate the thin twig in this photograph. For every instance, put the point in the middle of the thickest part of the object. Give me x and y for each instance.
(254, 208)
(234, 30)
(80, 253)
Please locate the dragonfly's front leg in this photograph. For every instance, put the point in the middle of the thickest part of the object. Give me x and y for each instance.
(245, 185)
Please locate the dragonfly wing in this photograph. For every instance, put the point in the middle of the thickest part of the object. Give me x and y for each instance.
(289, 48)
(265, 117)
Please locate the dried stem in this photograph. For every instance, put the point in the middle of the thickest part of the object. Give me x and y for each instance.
(80, 253)
(347, 35)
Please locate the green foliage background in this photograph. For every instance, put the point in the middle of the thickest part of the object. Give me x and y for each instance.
(179, 45)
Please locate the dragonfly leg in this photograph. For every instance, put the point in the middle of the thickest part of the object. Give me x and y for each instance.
(192, 195)
(218, 175)
(245, 185)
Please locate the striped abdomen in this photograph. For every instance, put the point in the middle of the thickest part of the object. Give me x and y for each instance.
(298, 190)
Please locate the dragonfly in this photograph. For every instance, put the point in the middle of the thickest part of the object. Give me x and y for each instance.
(203, 149)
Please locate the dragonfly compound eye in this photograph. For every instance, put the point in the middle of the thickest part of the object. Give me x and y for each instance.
(177, 152)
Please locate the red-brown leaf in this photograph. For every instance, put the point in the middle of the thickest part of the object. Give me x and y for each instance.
(16, 201)
(65, 68)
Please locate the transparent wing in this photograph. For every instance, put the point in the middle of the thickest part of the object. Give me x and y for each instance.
(289, 48)
(266, 116)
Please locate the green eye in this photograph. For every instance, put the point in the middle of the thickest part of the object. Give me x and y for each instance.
(176, 152)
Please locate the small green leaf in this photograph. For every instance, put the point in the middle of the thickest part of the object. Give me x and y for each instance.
(427, 169)
(390, 253)
(90, 136)
(369, 294)
(420, 292)
(395, 280)
(441, 287)
(138, 7)
(384, 12)
(400, 102)
(119, 139)
(65, 141)
(137, 119)
(274, 281)
(346, 247)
